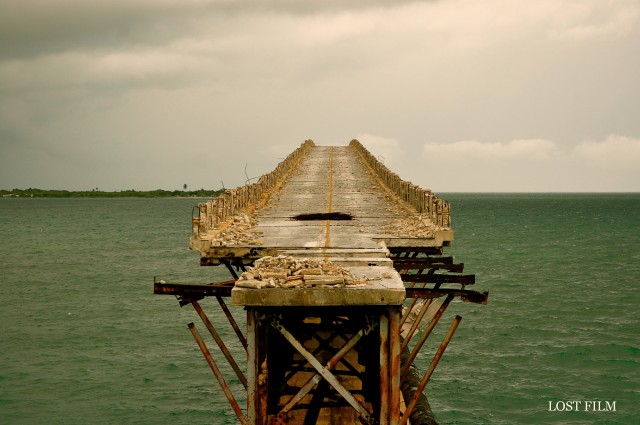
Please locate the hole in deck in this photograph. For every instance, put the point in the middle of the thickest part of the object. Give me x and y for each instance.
(323, 216)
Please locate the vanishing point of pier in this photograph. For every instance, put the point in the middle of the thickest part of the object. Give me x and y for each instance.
(339, 266)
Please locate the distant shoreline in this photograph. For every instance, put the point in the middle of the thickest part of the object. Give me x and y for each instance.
(158, 193)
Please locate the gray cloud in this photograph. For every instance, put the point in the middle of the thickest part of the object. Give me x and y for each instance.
(32, 28)
(104, 93)
(35, 27)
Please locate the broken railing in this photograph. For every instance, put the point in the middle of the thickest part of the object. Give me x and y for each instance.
(423, 200)
(208, 215)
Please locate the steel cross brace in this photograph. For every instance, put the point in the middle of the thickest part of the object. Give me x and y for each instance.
(324, 371)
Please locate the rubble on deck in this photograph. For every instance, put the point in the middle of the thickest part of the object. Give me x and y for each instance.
(239, 232)
(412, 227)
(289, 272)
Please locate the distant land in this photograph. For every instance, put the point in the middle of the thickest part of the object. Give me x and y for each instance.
(95, 193)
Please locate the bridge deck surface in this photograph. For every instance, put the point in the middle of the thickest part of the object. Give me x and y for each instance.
(329, 180)
(332, 179)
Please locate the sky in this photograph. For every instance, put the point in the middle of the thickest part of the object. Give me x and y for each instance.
(453, 95)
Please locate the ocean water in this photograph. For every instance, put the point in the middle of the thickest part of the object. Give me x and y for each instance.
(84, 340)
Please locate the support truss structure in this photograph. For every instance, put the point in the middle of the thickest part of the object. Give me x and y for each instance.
(311, 365)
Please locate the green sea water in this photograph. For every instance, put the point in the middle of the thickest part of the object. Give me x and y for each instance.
(83, 339)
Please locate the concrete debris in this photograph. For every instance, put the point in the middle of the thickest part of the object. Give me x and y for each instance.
(239, 232)
(289, 272)
(412, 227)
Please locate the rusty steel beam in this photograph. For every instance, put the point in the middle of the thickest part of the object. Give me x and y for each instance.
(246, 254)
(196, 290)
(432, 366)
(402, 270)
(466, 279)
(229, 267)
(414, 327)
(423, 338)
(257, 370)
(401, 266)
(414, 300)
(422, 414)
(422, 260)
(385, 376)
(464, 294)
(204, 262)
(232, 321)
(217, 373)
(394, 364)
(231, 263)
(220, 342)
(428, 250)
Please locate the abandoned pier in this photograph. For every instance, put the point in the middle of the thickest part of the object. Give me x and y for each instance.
(339, 266)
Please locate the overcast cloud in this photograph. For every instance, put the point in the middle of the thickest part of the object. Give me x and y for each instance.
(454, 95)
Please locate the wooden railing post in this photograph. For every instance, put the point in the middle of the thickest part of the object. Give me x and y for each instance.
(424, 201)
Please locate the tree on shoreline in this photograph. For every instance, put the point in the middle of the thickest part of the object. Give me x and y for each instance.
(95, 193)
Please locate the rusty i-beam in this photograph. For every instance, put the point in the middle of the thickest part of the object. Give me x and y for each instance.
(341, 264)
